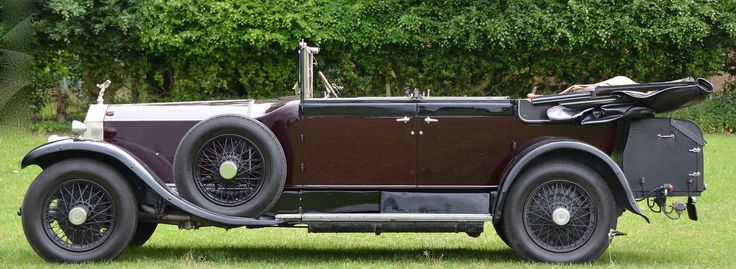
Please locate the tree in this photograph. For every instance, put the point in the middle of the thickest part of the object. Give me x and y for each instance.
(458, 47)
(103, 34)
(187, 49)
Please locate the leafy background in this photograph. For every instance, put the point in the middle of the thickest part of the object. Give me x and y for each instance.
(165, 50)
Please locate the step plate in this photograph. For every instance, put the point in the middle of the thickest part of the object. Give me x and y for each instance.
(384, 217)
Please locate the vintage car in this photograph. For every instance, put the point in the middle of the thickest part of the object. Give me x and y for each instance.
(552, 173)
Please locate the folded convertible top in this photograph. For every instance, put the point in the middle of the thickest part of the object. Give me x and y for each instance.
(621, 97)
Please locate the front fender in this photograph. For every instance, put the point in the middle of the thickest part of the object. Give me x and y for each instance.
(547, 146)
(49, 153)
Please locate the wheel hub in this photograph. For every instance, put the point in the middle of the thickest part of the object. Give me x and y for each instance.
(78, 215)
(560, 216)
(228, 170)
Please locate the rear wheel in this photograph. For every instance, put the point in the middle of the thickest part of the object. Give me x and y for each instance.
(231, 165)
(79, 210)
(501, 233)
(559, 212)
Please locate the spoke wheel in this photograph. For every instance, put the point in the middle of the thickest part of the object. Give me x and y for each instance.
(557, 200)
(558, 211)
(244, 162)
(231, 165)
(79, 198)
(79, 210)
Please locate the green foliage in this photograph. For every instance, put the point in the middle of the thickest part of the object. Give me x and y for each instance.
(102, 34)
(452, 47)
(717, 114)
(51, 126)
(186, 49)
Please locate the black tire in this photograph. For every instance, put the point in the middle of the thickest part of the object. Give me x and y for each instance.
(143, 232)
(501, 233)
(542, 190)
(79, 184)
(260, 175)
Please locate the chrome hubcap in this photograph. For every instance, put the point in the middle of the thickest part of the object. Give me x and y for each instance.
(561, 216)
(228, 170)
(78, 215)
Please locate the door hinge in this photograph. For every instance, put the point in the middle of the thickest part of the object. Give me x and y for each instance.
(301, 138)
(695, 150)
(302, 167)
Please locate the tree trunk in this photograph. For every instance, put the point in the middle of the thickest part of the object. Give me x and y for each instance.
(135, 93)
(90, 86)
(110, 93)
(61, 114)
(169, 80)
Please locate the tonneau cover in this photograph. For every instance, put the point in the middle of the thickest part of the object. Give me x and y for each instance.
(621, 97)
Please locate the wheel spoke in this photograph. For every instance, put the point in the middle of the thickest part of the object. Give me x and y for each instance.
(538, 219)
(96, 202)
(249, 172)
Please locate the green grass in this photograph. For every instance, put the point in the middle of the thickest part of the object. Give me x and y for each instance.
(709, 242)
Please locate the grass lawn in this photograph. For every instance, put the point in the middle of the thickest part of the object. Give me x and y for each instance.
(709, 242)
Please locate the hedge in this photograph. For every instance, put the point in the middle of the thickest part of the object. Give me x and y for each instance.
(198, 49)
(162, 50)
(717, 114)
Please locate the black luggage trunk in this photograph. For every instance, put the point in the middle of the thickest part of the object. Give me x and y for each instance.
(664, 151)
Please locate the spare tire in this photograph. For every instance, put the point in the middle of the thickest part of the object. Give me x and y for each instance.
(230, 165)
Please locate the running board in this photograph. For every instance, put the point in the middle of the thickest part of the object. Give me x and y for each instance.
(383, 217)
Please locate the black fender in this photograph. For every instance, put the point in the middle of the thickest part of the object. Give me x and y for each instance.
(49, 153)
(619, 185)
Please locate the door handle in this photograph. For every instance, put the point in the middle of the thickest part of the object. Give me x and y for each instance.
(405, 119)
(429, 120)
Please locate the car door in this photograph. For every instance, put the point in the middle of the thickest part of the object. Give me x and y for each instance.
(463, 141)
(359, 143)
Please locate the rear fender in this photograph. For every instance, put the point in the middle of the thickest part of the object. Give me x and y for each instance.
(50, 153)
(603, 164)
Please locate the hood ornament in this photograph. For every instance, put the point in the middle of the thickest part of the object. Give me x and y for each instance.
(102, 87)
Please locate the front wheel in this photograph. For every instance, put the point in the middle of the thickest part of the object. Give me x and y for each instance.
(559, 212)
(79, 210)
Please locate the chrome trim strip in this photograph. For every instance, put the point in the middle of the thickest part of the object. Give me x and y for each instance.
(212, 102)
(150, 113)
(384, 217)
(172, 187)
(159, 120)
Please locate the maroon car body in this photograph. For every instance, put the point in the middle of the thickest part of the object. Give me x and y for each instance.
(469, 146)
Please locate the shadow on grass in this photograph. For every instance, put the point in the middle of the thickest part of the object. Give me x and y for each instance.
(315, 255)
(305, 256)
